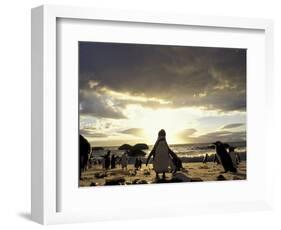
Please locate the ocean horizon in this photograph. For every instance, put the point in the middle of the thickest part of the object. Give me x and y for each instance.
(182, 150)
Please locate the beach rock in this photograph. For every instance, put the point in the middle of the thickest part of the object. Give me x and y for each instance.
(146, 172)
(237, 178)
(135, 181)
(203, 167)
(125, 147)
(220, 178)
(196, 179)
(99, 175)
(132, 173)
(97, 148)
(115, 181)
(140, 146)
(142, 182)
(136, 152)
(139, 181)
(181, 177)
(160, 181)
(112, 173)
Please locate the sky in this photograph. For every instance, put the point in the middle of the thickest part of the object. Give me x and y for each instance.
(128, 92)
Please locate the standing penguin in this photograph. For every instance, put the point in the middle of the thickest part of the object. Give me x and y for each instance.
(233, 156)
(107, 160)
(162, 159)
(84, 150)
(224, 157)
(124, 160)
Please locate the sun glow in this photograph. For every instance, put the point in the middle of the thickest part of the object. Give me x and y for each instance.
(153, 120)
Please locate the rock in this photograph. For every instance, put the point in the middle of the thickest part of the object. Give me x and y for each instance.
(93, 184)
(115, 181)
(181, 177)
(174, 180)
(132, 173)
(160, 180)
(139, 181)
(125, 147)
(146, 172)
(221, 178)
(236, 178)
(97, 148)
(140, 146)
(136, 152)
(135, 181)
(99, 175)
(196, 179)
(112, 173)
(203, 167)
(142, 182)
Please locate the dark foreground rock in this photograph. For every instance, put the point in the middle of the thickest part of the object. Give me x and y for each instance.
(221, 178)
(99, 175)
(181, 177)
(139, 181)
(115, 181)
(196, 179)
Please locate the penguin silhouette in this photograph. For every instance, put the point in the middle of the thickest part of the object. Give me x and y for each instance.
(224, 157)
(84, 150)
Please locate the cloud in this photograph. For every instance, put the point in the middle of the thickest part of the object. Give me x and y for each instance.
(186, 133)
(224, 136)
(234, 125)
(211, 78)
(134, 131)
(90, 133)
(97, 105)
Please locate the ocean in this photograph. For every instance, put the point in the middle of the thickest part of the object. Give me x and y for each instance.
(182, 150)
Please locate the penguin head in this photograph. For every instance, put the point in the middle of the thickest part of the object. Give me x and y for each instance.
(217, 143)
(162, 133)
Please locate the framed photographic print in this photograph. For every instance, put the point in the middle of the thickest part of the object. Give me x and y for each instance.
(132, 110)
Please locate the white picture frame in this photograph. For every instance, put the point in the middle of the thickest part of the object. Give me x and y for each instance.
(45, 183)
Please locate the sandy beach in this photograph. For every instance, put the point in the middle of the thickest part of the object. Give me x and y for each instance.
(194, 171)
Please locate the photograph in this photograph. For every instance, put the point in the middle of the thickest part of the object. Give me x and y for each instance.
(154, 113)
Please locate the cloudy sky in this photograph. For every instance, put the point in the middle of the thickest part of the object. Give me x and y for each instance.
(128, 92)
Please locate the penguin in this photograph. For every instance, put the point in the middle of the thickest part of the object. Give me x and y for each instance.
(233, 156)
(224, 157)
(124, 160)
(162, 159)
(84, 151)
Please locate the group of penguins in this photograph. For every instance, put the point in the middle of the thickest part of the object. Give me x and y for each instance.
(227, 159)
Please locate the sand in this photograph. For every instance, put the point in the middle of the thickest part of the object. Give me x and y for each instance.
(197, 171)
